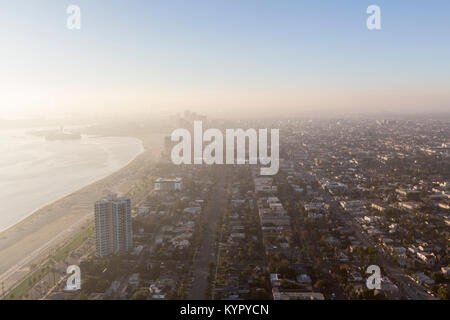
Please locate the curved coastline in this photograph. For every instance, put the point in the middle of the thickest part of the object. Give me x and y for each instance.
(5, 229)
(30, 241)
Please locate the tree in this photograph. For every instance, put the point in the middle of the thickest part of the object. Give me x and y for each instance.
(322, 284)
(82, 296)
(372, 295)
(140, 294)
(181, 291)
(443, 293)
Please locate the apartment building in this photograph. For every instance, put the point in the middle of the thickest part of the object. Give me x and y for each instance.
(113, 226)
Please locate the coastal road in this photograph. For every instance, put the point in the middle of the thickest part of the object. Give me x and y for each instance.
(215, 208)
(7, 278)
(28, 243)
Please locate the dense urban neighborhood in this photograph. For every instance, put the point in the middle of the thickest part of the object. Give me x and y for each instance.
(349, 194)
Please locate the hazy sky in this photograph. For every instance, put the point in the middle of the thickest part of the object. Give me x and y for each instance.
(224, 57)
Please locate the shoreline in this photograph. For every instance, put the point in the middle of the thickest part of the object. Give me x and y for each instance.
(29, 241)
(4, 230)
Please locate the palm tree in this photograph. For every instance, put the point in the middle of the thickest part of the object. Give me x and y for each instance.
(53, 270)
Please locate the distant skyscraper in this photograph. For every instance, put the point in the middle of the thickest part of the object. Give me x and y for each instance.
(113, 225)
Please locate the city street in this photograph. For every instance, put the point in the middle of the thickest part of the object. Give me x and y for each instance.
(215, 208)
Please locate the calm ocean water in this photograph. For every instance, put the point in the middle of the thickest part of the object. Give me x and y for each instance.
(35, 172)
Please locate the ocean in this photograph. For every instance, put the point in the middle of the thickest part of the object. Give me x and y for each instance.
(35, 172)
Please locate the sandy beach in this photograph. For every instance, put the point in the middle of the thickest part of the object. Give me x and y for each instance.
(30, 241)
